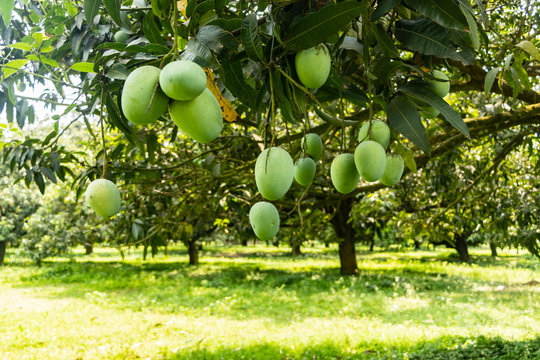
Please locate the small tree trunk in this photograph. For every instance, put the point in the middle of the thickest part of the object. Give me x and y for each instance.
(193, 252)
(295, 248)
(493, 248)
(417, 244)
(345, 231)
(145, 252)
(3, 245)
(244, 242)
(462, 248)
(372, 244)
(88, 249)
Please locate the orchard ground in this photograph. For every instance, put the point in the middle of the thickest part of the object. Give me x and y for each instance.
(257, 302)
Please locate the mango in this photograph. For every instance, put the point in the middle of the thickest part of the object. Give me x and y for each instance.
(264, 220)
(103, 197)
(137, 93)
(313, 66)
(370, 160)
(343, 173)
(375, 130)
(313, 145)
(393, 171)
(121, 36)
(304, 171)
(274, 172)
(182, 80)
(200, 119)
(441, 88)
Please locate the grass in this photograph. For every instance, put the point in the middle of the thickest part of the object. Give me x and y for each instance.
(259, 303)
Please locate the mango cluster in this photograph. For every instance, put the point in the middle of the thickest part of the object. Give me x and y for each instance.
(148, 91)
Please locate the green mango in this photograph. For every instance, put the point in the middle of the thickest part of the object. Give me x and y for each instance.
(121, 36)
(441, 88)
(313, 145)
(200, 119)
(182, 80)
(343, 173)
(375, 130)
(313, 66)
(370, 160)
(137, 93)
(103, 197)
(393, 171)
(264, 220)
(304, 171)
(274, 172)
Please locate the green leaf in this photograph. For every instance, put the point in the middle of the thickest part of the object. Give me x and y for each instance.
(21, 46)
(38, 179)
(83, 67)
(250, 38)
(385, 42)
(407, 155)
(529, 48)
(403, 117)
(91, 9)
(384, 7)
(113, 8)
(151, 30)
(519, 72)
(426, 37)
(316, 27)
(490, 79)
(6, 7)
(198, 52)
(216, 39)
(49, 174)
(473, 28)
(446, 13)
(11, 67)
(118, 72)
(483, 14)
(234, 80)
(421, 90)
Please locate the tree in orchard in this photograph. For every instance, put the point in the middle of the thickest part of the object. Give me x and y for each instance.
(383, 56)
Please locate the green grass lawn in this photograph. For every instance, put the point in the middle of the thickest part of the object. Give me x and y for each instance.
(260, 303)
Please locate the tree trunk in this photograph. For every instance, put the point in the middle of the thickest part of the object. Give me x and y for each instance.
(88, 249)
(3, 245)
(345, 231)
(493, 248)
(462, 248)
(193, 252)
(145, 252)
(372, 244)
(295, 248)
(417, 244)
(244, 242)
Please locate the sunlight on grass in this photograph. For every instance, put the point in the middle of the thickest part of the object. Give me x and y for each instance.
(259, 303)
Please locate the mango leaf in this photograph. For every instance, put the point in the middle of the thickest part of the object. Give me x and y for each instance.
(445, 13)
(49, 174)
(316, 27)
(529, 48)
(21, 46)
(118, 72)
(385, 42)
(403, 117)
(421, 90)
(83, 67)
(6, 7)
(151, 30)
(426, 37)
(91, 9)
(11, 67)
(250, 38)
(38, 179)
(228, 111)
(384, 7)
(407, 155)
(235, 83)
(113, 9)
(216, 39)
(473, 28)
(198, 52)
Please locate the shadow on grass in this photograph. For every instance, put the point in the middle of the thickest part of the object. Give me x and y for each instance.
(242, 290)
(447, 348)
